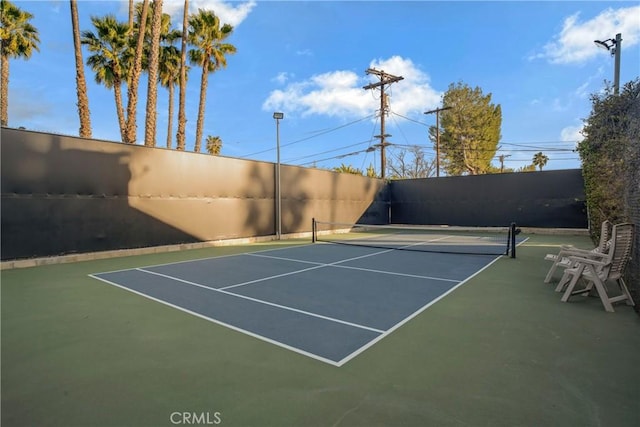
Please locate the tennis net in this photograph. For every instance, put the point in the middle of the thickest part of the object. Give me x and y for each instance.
(442, 239)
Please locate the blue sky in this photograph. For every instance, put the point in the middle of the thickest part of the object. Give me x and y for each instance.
(308, 60)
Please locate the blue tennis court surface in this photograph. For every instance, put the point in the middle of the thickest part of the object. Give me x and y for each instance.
(330, 302)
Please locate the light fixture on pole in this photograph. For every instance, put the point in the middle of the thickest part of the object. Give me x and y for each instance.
(614, 46)
(278, 117)
(437, 111)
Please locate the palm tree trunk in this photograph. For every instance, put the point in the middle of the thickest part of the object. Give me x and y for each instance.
(152, 88)
(170, 121)
(81, 84)
(117, 90)
(182, 119)
(132, 92)
(131, 9)
(4, 91)
(203, 100)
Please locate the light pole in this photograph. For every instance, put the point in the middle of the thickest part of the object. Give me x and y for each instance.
(614, 46)
(278, 117)
(437, 111)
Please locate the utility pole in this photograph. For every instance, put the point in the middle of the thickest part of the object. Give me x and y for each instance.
(501, 157)
(437, 111)
(385, 79)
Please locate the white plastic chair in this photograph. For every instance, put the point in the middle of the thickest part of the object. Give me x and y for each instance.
(597, 270)
(561, 259)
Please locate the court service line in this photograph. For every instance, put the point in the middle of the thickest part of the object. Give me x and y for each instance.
(218, 322)
(413, 315)
(284, 307)
(315, 267)
(349, 267)
(331, 264)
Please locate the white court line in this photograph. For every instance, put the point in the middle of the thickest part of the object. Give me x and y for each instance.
(360, 269)
(331, 264)
(411, 316)
(284, 307)
(278, 343)
(218, 322)
(416, 313)
(207, 258)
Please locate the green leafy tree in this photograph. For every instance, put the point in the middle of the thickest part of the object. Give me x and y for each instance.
(214, 145)
(84, 113)
(108, 46)
(610, 155)
(208, 37)
(606, 151)
(18, 40)
(470, 130)
(540, 160)
(347, 169)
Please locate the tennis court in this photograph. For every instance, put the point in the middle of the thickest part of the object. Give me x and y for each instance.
(500, 349)
(324, 300)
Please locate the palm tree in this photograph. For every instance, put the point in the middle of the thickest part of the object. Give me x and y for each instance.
(18, 40)
(109, 45)
(169, 76)
(206, 34)
(81, 83)
(131, 15)
(132, 92)
(540, 160)
(347, 169)
(182, 119)
(152, 87)
(214, 145)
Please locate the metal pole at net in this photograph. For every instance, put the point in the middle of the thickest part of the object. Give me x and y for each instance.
(512, 235)
(314, 230)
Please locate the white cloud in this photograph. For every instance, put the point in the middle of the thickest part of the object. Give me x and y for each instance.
(574, 43)
(340, 93)
(232, 13)
(572, 133)
(282, 77)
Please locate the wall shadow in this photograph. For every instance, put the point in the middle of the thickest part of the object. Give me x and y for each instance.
(59, 199)
(63, 195)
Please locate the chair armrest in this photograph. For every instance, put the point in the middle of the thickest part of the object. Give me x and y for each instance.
(579, 252)
(591, 261)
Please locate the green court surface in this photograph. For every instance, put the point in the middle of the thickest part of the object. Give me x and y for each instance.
(500, 350)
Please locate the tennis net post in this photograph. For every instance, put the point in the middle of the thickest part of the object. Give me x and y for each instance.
(512, 237)
(314, 230)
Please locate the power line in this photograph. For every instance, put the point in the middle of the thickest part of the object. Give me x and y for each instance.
(310, 137)
(325, 152)
(411, 120)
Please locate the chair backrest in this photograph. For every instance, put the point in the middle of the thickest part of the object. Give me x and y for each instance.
(605, 233)
(619, 251)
